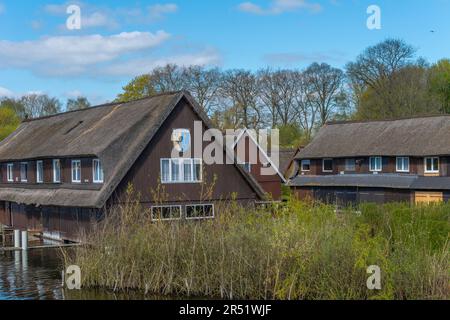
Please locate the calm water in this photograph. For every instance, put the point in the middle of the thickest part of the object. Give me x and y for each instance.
(36, 274)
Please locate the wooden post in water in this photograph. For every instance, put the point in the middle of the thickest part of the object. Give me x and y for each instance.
(17, 238)
(24, 240)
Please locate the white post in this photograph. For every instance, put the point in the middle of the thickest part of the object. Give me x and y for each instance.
(16, 238)
(24, 240)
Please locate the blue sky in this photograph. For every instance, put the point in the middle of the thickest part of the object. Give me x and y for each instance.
(121, 39)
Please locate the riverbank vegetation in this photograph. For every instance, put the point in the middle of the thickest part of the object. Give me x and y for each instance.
(298, 251)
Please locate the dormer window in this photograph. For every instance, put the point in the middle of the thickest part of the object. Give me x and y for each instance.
(76, 171)
(327, 165)
(56, 171)
(24, 172)
(10, 172)
(97, 171)
(375, 164)
(40, 171)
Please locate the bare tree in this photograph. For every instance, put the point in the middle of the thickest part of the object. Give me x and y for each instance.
(36, 105)
(307, 110)
(240, 93)
(203, 84)
(326, 84)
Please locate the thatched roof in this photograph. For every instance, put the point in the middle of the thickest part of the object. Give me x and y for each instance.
(389, 181)
(419, 137)
(105, 132)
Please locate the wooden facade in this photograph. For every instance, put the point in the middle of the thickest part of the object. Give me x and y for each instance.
(129, 157)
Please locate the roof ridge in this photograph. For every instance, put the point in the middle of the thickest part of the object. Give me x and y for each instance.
(109, 104)
(387, 120)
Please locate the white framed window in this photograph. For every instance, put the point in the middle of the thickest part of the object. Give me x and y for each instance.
(431, 165)
(97, 171)
(375, 164)
(24, 172)
(56, 171)
(327, 165)
(350, 164)
(161, 213)
(181, 170)
(402, 164)
(306, 165)
(76, 171)
(200, 211)
(247, 167)
(40, 171)
(10, 172)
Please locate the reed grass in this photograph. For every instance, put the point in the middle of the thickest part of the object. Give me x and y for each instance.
(298, 251)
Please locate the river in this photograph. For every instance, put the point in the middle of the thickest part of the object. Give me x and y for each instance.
(36, 275)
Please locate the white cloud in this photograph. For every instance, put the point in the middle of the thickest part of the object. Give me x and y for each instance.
(66, 55)
(5, 92)
(138, 66)
(279, 6)
(158, 11)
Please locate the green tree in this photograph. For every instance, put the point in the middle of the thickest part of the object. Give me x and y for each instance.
(291, 135)
(77, 104)
(440, 83)
(139, 87)
(9, 120)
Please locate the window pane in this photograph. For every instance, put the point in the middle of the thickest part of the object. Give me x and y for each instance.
(350, 164)
(197, 170)
(187, 169)
(429, 164)
(175, 170)
(165, 171)
(306, 165)
(247, 167)
(328, 165)
(435, 164)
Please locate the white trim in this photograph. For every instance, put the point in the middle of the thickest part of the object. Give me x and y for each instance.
(54, 170)
(245, 130)
(71, 171)
(10, 172)
(181, 161)
(201, 205)
(168, 206)
(38, 173)
(381, 164)
(26, 172)
(396, 164)
(94, 180)
(425, 165)
(323, 164)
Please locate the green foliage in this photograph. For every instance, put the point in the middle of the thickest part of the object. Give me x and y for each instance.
(295, 251)
(77, 104)
(139, 87)
(291, 136)
(440, 83)
(9, 121)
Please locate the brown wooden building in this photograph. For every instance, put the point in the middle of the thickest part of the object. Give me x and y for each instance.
(257, 162)
(60, 173)
(377, 161)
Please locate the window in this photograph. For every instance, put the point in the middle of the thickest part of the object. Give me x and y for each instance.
(56, 171)
(181, 170)
(350, 164)
(248, 167)
(97, 171)
(327, 165)
(76, 171)
(306, 165)
(402, 164)
(166, 212)
(432, 165)
(375, 164)
(201, 211)
(40, 172)
(10, 172)
(24, 172)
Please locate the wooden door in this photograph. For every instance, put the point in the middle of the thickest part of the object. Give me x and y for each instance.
(428, 197)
